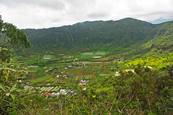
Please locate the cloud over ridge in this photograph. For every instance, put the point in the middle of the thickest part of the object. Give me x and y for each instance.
(48, 13)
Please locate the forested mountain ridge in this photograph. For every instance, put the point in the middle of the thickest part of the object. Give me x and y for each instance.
(163, 38)
(102, 35)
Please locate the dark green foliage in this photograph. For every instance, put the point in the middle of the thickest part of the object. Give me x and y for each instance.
(5, 55)
(115, 36)
(92, 35)
(10, 37)
(14, 36)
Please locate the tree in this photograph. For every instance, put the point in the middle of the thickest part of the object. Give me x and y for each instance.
(10, 37)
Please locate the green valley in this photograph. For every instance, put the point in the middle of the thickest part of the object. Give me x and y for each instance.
(119, 67)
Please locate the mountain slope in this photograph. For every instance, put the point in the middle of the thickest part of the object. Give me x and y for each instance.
(163, 40)
(97, 35)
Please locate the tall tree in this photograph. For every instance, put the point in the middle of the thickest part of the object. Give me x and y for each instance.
(11, 37)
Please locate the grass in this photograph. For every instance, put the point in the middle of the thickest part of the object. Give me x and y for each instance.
(43, 80)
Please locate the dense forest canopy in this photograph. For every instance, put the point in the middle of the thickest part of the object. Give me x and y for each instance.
(10, 37)
(97, 35)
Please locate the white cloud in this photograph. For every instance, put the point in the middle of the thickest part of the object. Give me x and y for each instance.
(48, 13)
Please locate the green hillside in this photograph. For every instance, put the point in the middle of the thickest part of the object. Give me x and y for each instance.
(99, 35)
(126, 35)
(163, 39)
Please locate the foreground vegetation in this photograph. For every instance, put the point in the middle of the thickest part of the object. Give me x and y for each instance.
(139, 86)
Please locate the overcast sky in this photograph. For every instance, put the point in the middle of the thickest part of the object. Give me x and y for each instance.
(49, 13)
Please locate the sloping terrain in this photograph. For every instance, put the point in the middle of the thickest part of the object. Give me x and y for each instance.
(92, 35)
(125, 35)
